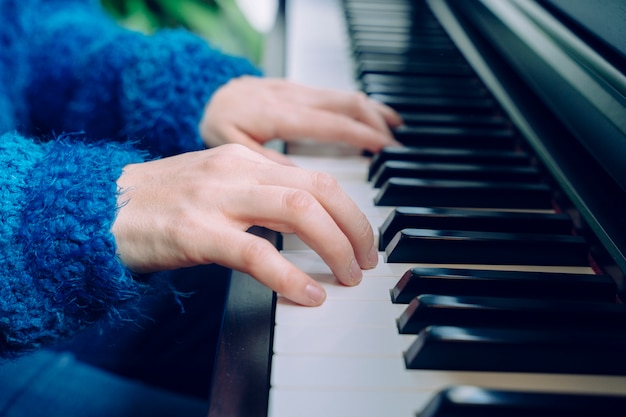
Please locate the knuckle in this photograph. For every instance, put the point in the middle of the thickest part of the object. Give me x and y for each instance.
(232, 149)
(286, 281)
(324, 183)
(254, 252)
(361, 99)
(215, 162)
(225, 157)
(299, 201)
(364, 229)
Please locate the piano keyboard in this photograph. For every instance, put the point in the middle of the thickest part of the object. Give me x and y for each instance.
(351, 356)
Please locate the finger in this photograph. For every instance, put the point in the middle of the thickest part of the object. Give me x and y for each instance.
(236, 136)
(339, 206)
(276, 156)
(391, 116)
(325, 126)
(358, 106)
(257, 257)
(298, 211)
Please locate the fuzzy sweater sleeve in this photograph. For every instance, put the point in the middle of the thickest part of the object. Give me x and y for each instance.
(67, 67)
(58, 270)
(89, 74)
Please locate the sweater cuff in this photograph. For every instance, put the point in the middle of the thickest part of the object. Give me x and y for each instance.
(165, 90)
(71, 276)
(116, 83)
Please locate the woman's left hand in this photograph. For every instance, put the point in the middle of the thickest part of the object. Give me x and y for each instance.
(252, 111)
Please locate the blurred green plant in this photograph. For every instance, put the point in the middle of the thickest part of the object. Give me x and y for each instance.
(221, 22)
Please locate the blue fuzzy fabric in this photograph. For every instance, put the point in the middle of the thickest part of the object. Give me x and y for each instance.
(65, 66)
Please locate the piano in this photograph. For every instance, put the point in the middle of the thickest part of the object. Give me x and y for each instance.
(501, 224)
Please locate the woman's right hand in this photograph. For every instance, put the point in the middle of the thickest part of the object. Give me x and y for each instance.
(195, 208)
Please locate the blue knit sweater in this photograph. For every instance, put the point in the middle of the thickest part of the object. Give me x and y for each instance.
(80, 98)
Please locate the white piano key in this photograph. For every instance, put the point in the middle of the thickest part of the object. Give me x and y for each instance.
(361, 373)
(346, 312)
(326, 362)
(338, 340)
(371, 288)
(335, 403)
(347, 168)
(311, 263)
(316, 51)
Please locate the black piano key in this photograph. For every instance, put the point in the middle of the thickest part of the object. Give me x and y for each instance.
(409, 52)
(396, 5)
(417, 82)
(368, 21)
(466, 105)
(364, 18)
(465, 194)
(379, 38)
(446, 155)
(472, 401)
(355, 5)
(416, 56)
(365, 45)
(411, 68)
(421, 91)
(477, 220)
(399, 49)
(436, 170)
(468, 247)
(518, 350)
(389, 15)
(377, 6)
(510, 313)
(418, 59)
(378, 19)
(457, 137)
(413, 119)
(540, 285)
(373, 54)
(401, 37)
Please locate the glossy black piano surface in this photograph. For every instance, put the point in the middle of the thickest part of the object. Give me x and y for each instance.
(510, 97)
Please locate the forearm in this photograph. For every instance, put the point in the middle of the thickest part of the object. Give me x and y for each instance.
(91, 75)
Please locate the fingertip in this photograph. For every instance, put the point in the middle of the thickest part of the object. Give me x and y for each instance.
(372, 258)
(395, 144)
(396, 120)
(391, 116)
(356, 274)
(375, 141)
(315, 294)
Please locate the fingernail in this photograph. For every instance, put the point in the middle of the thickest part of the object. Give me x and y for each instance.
(355, 272)
(315, 293)
(372, 258)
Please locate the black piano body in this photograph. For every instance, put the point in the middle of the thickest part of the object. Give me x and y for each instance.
(557, 70)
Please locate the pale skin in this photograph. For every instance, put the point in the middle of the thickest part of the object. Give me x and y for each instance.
(252, 111)
(195, 208)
